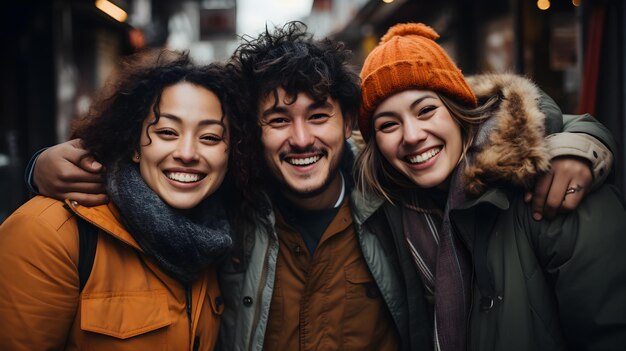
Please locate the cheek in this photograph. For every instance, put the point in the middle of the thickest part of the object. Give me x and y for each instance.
(457, 142)
(387, 146)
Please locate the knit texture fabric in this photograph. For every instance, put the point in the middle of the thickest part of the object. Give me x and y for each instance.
(407, 57)
(182, 243)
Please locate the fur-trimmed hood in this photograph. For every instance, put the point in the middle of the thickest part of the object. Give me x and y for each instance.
(510, 147)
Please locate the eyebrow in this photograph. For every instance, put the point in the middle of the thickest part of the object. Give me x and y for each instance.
(413, 105)
(319, 104)
(313, 106)
(203, 122)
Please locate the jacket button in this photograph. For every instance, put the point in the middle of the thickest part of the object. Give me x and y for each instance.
(247, 301)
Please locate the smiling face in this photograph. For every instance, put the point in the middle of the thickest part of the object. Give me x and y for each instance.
(185, 158)
(304, 143)
(417, 135)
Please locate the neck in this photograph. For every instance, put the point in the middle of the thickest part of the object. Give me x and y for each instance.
(324, 200)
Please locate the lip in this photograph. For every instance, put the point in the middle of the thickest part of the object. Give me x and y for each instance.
(429, 163)
(184, 185)
(302, 168)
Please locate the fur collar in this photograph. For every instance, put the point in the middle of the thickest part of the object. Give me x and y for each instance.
(509, 147)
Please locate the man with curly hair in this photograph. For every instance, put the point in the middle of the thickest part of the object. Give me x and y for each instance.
(310, 278)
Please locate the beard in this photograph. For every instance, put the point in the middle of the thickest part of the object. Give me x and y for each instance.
(333, 170)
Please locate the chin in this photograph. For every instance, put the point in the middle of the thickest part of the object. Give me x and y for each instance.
(182, 204)
(306, 191)
(427, 183)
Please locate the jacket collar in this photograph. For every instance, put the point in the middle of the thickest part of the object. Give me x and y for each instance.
(363, 205)
(107, 218)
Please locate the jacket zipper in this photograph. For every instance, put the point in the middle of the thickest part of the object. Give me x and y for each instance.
(188, 307)
(468, 331)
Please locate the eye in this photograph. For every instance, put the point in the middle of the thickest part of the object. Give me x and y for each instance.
(387, 126)
(319, 117)
(166, 134)
(426, 110)
(277, 122)
(211, 139)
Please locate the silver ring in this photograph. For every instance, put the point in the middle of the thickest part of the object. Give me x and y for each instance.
(573, 189)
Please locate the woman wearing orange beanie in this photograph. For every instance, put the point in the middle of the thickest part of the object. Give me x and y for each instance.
(453, 159)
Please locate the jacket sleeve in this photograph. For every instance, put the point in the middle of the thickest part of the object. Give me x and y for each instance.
(39, 286)
(28, 173)
(580, 136)
(583, 254)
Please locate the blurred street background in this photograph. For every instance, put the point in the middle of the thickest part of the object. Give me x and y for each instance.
(57, 53)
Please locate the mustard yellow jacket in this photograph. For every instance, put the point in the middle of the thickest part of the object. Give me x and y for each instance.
(128, 303)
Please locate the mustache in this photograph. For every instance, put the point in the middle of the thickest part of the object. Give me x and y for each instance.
(307, 150)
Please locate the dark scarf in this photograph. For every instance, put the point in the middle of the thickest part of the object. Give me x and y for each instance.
(449, 260)
(182, 243)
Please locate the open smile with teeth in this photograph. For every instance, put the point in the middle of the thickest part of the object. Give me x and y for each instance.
(304, 161)
(184, 177)
(421, 158)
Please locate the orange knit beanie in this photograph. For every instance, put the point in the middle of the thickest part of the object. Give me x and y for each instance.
(407, 57)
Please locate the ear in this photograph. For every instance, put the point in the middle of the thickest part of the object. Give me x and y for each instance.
(136, 156)
(347, 132)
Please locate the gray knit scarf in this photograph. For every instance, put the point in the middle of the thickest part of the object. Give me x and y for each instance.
(182, 243)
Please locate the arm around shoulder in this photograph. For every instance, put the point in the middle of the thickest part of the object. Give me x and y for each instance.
(586, 147)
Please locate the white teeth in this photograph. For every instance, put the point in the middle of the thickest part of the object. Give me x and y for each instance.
(425, 156)
(183, 177)
(303, 161)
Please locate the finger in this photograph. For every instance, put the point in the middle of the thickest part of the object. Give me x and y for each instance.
(72, 150)
(572, 199)
(88, 188)
(73, 174)
(556, 196)
(88, 200)
(539, 195)
(89, 164)
(528, 196)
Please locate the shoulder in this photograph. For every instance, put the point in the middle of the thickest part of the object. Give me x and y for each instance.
(43, 209)
(596, 228)
(40, 225)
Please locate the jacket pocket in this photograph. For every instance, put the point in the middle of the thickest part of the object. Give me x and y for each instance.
(367, 324)
(360, 283)
(124, 315)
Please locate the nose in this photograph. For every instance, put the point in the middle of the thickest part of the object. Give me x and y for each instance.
(301, 135)
(412, 132)
(186, 150)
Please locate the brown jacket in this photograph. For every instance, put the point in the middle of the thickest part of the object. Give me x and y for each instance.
(128, 303)
(328, 300)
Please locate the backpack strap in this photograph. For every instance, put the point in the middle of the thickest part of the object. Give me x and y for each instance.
(87, 243)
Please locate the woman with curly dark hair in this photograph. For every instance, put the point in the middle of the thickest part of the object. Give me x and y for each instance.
(166, 132)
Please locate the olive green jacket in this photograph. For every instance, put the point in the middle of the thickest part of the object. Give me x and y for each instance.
(551, 285)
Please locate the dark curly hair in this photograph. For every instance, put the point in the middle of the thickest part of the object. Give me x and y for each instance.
(112, 129)
(289, 58)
